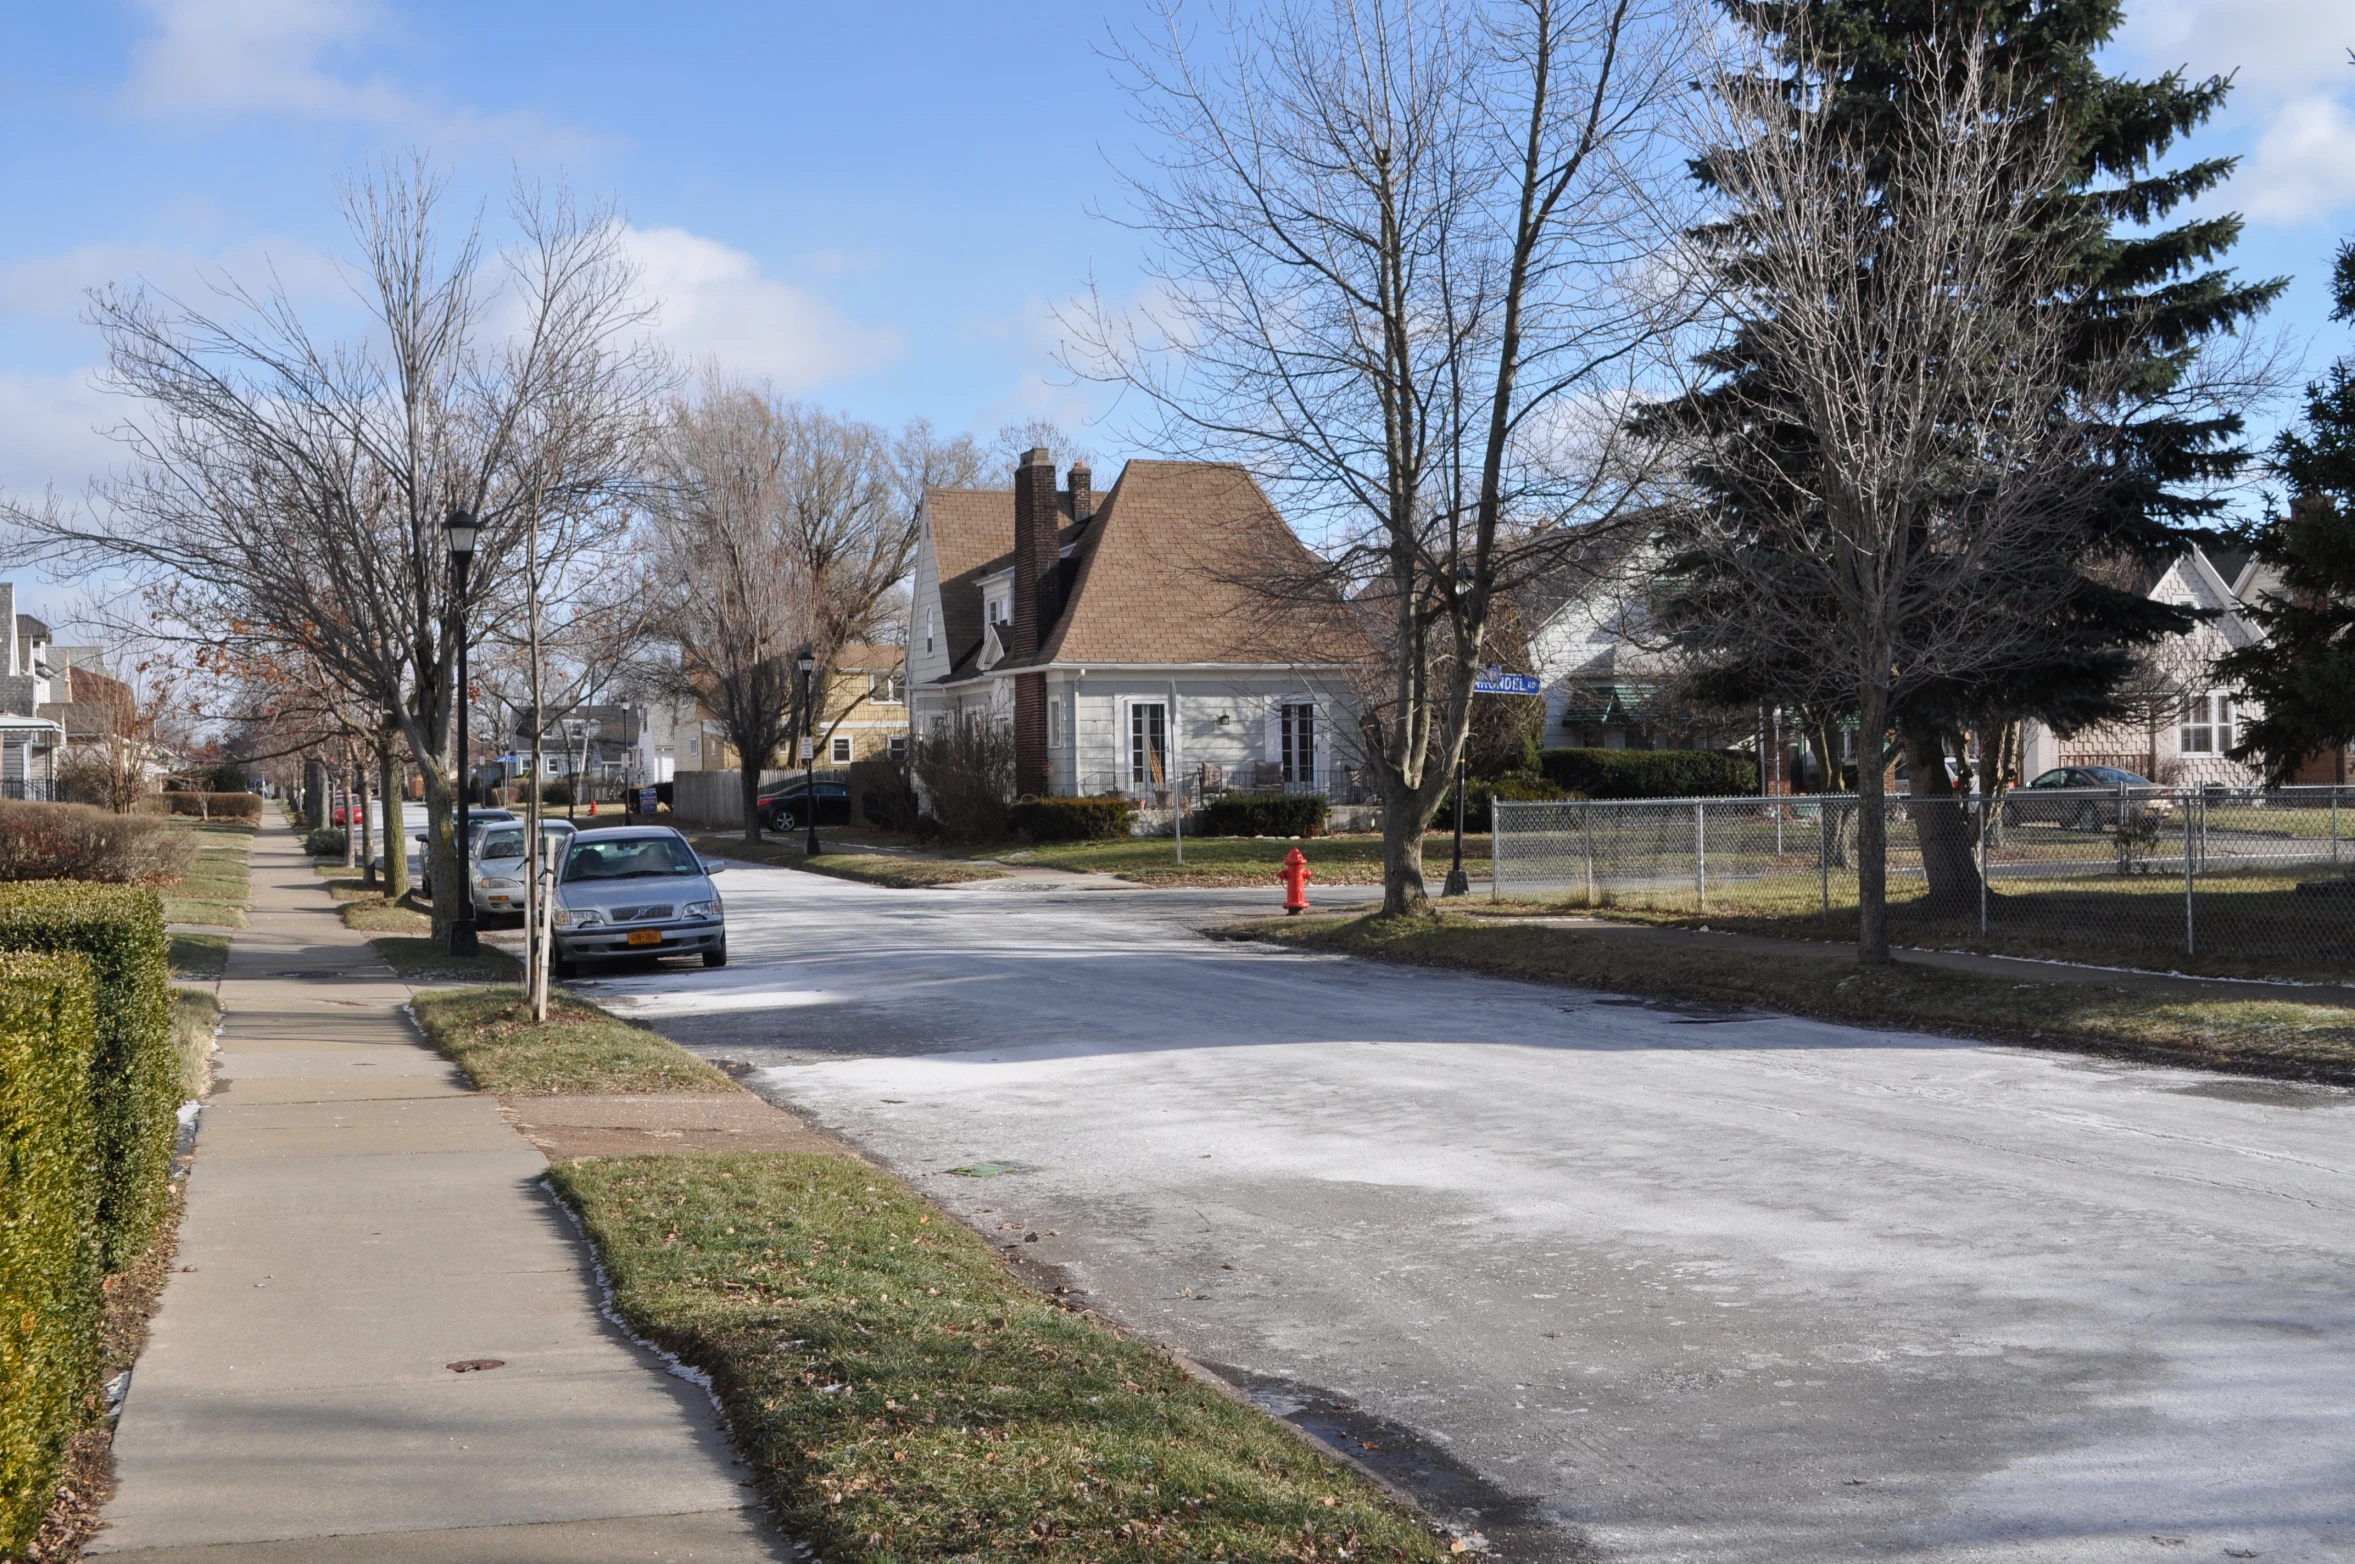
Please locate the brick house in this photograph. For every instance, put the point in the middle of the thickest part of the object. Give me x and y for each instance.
(1131, 639)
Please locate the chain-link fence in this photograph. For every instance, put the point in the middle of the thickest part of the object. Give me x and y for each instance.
(2219, 879)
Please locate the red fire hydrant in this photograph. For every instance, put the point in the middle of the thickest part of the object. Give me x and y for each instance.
(1295, 875)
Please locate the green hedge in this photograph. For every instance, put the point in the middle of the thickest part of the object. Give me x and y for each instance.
(325, 842)
(1071, 819)
(50, 1299)
(1263, 814)
(1513, 789)
(135, 1073)
(1651, 773)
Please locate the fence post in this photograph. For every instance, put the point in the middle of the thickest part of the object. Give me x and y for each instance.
(1823, 849)
(1701, 853)
(1496, 849)
(1586, 822)
(2191, 942)
(2334, 822)
(1984, 802)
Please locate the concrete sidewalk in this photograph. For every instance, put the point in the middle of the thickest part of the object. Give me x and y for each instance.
(358, 1220)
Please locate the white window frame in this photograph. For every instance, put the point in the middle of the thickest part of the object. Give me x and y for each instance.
(896, 746)
(1054, 719)
(1129, 707)
(2208, 724)
(838, 750)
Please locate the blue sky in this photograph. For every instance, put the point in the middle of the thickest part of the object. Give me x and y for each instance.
(876, 207)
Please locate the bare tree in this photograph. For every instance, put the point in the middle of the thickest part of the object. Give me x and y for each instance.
(287, 491)
(1404, 257)
(782, 529)
(1920, 460)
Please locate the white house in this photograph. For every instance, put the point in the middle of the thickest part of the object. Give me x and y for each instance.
(2184, 746)
(1132, 641)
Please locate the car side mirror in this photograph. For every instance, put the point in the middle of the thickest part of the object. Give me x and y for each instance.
(715, 868)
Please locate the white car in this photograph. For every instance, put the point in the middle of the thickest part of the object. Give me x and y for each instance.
(499, 867)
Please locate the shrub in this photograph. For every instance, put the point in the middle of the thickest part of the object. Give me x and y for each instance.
(1071, 819)
(1652, 773)
(135, 1071)
(77, 842)
(966, 771)
(1478, 795)
(50, 1299)
(558, 793)
(889, 798)
(212, 806)
(328, 841)
(1263, 814)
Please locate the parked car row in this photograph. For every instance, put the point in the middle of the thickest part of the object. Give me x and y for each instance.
(2084, 798)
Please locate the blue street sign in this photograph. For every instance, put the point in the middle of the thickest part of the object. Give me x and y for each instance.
(1495, 681)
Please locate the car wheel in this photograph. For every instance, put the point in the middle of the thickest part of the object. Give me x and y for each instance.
(2089, 818)
(2011, 814)
(783, 821)
(563, 968)
(717, 957)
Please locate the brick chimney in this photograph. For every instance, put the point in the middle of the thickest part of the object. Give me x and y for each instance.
(1037, 578)
(1035, 524)
(1083, 492)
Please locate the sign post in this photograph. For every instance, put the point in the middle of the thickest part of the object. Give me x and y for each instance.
(1492, 680)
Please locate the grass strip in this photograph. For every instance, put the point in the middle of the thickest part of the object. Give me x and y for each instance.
(489, 1033)
(217, 886)
(424, 959)
(1242, 860)
(199, 958)
(195, 1012)
(900, 1395)
(884, 869)
(2272, 1037)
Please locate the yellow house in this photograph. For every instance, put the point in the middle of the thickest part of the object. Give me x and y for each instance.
(865, 716)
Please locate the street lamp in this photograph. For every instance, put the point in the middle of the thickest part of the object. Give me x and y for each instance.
(1457, 883)
(809, 753)
(459, 528)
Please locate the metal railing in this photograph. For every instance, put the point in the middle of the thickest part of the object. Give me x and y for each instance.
(2240, 878)
(28, 790)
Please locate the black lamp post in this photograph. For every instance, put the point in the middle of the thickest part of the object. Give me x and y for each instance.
(459, 527)
(1457, 883)
(809, 754)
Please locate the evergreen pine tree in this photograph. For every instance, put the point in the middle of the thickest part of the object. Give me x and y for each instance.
(2302, 675)
(2140, 300)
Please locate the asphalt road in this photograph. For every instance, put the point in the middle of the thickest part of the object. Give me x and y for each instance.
(1596, 1277)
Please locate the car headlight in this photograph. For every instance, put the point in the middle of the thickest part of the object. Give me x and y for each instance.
(502, 885)
(701, 909)
(566, 918)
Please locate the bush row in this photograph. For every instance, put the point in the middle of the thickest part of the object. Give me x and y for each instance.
(327, 841)
(1651, 773)
(1263, 814)
(1513, 788)
(50, 1292)
(212, 806)
(1071, 819)
(77, 842)
(135, 1071)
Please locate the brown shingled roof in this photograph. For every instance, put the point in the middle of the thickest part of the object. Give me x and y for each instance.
(1184, 562)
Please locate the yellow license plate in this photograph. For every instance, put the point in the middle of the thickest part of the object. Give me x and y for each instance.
(645, 936)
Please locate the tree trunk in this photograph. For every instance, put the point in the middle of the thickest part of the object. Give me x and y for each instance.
(1872, 825)
(1403, 891)
(748, 773)
(396, 839)
(1944, 826)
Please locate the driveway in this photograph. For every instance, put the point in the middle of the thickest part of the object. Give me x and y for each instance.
(1598, 1277)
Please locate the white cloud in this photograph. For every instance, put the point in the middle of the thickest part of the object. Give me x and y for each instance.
(50, 433)
(2269, 47)
(238, 56)
(2293, 95)
(718, 307)
(299, 58)
(2304, 168)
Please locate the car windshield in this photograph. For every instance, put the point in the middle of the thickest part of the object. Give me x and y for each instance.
(630, 858)
(502, 844)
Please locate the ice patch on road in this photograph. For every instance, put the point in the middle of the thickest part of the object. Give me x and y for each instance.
(656, 1002)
